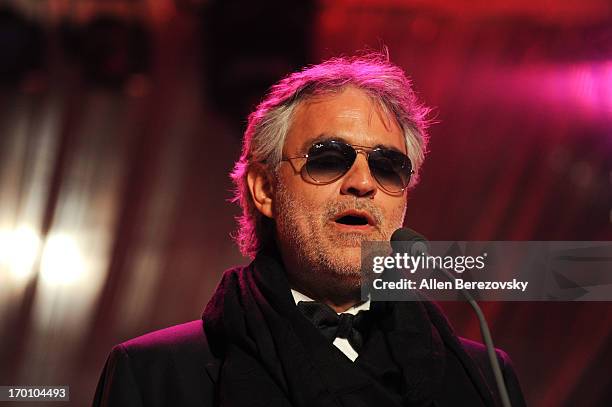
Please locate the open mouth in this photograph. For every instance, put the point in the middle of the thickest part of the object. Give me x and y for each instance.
(354, 218)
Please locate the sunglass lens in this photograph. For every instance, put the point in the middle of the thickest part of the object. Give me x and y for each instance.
(329, 160)
(391, 169)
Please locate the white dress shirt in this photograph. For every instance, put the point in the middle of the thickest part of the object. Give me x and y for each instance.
(340, 343)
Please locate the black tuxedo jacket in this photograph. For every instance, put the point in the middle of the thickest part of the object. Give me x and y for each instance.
(174, 367)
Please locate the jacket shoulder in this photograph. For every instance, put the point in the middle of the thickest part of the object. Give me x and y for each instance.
(184, 337)
(171, 366)
(182, 345)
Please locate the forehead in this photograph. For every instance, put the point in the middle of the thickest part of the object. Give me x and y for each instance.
(351, 115)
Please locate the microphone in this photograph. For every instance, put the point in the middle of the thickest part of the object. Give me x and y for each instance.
(406, 240)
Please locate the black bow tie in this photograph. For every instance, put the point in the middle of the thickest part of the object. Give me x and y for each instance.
(332, 325)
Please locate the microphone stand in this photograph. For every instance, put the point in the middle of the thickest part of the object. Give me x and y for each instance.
(488, 340)
(409, 235)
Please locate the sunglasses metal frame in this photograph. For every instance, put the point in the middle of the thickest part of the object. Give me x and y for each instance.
(365, 150)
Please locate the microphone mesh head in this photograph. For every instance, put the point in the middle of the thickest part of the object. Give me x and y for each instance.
(406, 240)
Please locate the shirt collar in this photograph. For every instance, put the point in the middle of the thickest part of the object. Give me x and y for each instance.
(363, 306)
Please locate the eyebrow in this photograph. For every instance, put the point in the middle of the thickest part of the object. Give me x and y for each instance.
(331, 137)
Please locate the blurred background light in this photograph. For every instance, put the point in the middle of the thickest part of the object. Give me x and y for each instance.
(582, 90)
(62, 262)
(18, 250)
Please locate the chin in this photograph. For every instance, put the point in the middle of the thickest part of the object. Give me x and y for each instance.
(347, 262)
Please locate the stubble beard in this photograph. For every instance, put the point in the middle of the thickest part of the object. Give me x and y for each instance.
(329, 261)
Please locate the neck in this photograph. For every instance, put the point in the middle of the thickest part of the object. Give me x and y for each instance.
(335, 305)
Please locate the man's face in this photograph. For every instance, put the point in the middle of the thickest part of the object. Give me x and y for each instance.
(317, 247)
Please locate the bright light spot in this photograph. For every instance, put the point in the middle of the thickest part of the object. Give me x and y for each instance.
(62, 262)
(18, 250)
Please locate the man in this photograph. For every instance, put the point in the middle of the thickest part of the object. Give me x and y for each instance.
(328, 158)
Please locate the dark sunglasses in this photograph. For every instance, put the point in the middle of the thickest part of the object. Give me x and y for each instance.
(327, 161)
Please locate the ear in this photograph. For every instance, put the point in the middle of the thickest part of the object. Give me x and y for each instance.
(260, 187)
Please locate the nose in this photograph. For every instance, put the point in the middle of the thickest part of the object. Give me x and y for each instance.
(358, 181)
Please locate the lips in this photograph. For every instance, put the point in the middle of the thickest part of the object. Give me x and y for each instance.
(354, 218)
